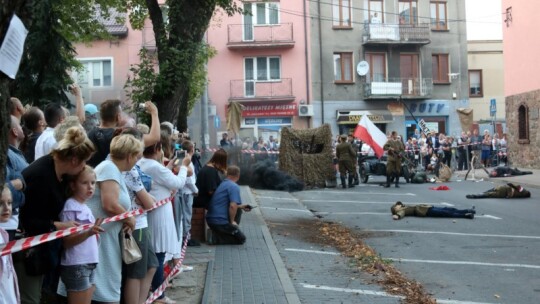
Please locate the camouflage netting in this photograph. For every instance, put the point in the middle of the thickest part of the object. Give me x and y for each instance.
(307, 155)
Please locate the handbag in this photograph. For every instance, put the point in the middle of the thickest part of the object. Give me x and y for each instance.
(130, 250)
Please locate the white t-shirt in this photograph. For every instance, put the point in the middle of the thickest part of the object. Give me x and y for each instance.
(134, 184)
(9, 290)
(45, 143)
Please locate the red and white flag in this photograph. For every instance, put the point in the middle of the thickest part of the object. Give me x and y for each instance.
(371, 135)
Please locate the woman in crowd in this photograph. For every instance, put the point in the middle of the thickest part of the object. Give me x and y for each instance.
(161, 221)
(46, 181)
(486, 150)
(112, 198)
(138, 275)
(209, 178)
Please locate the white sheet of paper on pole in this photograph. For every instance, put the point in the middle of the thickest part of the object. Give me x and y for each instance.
(13, 47)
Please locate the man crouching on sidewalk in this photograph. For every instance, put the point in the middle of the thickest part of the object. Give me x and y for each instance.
(225, 211)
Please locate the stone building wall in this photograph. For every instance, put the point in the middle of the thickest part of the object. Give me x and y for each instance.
(523, 155)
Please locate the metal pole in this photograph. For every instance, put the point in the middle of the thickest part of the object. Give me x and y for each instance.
(205, 137)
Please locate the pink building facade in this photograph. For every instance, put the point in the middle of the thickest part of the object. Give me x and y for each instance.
(522, 81)
(262, 62)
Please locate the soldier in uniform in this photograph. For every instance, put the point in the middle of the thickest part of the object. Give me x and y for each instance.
(503, 191)
(400, 210)
(394, 147)
(345, 155)
(356, 148)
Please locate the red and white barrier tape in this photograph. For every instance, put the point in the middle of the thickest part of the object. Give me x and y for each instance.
(32, 241)
(173, 273)
(250, 151)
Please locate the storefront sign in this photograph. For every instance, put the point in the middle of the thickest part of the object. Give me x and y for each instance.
(260, 110)
(274, 121)
(353, 117)
(429, 108)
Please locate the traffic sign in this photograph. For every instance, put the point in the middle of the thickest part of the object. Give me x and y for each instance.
(493, 107)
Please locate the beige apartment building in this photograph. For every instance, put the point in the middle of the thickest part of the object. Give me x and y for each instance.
(486, 79)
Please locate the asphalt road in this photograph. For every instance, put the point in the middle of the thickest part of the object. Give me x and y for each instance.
(494, 258)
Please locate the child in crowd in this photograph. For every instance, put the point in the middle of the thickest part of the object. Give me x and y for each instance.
(80, 254)
(9, 290)
(433, 162)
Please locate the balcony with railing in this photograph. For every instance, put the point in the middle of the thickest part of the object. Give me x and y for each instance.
(247, 36)
(255, 90)
(406, 88)
(381, 33)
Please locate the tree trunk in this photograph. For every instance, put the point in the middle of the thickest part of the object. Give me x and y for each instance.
(177, 53)
(8, 8)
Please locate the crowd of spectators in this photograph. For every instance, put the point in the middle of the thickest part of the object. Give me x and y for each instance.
(64, 171)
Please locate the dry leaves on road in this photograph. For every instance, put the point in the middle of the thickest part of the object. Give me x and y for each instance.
(392, 280)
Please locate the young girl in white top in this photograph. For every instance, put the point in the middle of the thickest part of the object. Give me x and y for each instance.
(80, 256)
(9, 290)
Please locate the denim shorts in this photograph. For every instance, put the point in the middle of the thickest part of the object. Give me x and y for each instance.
(78, 277)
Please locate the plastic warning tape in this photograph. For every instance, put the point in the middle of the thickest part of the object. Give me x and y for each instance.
(32, 241)
(173, 273)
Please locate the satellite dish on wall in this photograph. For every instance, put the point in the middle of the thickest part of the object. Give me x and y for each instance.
(362, 68)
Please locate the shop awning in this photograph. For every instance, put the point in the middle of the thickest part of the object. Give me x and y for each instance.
(353, 117)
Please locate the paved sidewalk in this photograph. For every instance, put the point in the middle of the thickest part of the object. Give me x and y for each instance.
(249, 273)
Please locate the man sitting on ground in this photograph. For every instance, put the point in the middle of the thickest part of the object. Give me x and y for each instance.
(503, 191)
(399, 211)
(225, 210)
(507, 171)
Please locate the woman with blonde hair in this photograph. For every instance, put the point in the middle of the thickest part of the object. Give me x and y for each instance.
(112, 198)
(46, 184)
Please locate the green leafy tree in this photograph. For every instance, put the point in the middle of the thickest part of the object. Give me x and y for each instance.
(49, 53)
(181, 51)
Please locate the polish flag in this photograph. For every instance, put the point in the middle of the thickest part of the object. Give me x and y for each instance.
(371, 135)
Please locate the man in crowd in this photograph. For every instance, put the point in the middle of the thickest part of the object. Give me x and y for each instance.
(16, 163)
(54, 115)
(110, 113)
(346, 158)
(225, 142)
(356, 147)
(503, 191)
(225, 211)
(399, 211)
(16, 108)
(395, 148)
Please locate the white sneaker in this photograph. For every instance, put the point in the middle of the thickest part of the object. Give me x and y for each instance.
(185, 268)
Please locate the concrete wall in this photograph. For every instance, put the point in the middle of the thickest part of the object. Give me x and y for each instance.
(488, 57)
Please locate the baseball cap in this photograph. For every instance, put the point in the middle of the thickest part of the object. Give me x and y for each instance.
(90, 108)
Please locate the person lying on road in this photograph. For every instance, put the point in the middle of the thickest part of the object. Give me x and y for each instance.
(503, 191)
(399, 211)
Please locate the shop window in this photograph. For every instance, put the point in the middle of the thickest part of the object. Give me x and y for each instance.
(341, 11)
(343, 68)
(475, 83)
(440, 69)
(439, 20)
(523, 124)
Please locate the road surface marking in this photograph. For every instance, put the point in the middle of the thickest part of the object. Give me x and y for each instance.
(363, 193)
(466, 263)
(458, 233)
(287, 209)
(379, 293)
(312, 251)
(387, 213)
(447, 204)
(489, 216)
(278, 198)
(349, 202)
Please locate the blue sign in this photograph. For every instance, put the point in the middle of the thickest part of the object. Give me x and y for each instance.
(217, 122)
(493, 107)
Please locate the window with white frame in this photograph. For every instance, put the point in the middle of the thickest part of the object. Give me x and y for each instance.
(95, 73)
(261, 13)
(259, 69)
(343, 67)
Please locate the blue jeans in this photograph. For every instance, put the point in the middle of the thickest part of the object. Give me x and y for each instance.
(446, 212)
(158, 276)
